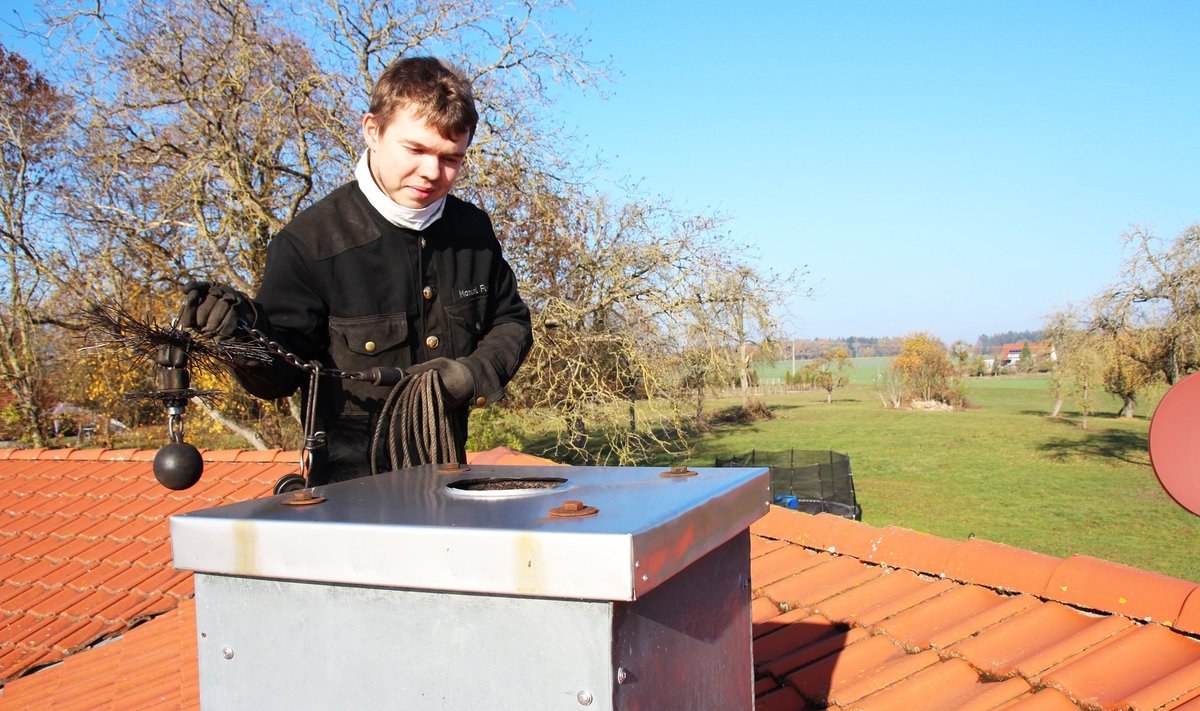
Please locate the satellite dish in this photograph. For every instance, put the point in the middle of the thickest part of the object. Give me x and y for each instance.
(1175, 442)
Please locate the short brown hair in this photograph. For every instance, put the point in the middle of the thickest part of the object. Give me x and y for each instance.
(433, 88)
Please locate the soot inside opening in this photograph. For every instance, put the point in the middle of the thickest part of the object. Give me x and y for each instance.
(505, 483)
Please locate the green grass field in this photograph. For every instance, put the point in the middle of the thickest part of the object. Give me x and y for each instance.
(1002, 470)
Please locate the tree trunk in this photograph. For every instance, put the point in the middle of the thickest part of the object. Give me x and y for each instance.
(745, 376)
(295, 407)
(1057, 407)
(251, 437)
(1127, 407)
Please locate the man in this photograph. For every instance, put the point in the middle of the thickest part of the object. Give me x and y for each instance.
(389, 270)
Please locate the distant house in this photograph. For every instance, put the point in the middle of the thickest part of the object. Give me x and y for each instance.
(1010, 353)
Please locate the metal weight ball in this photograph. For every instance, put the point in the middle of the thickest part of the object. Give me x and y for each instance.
(178, 466)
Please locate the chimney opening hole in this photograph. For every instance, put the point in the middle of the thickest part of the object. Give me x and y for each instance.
(506, 486)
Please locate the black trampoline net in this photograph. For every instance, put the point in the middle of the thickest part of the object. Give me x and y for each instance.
(809, 480)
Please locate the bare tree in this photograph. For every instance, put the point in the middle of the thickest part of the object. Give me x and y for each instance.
(1158, 296)
(1079, 370)
(611, 296)
(889, 385)
(212, 128)
(960, 355)
(828, 371)
(32, 112)
(741, 308)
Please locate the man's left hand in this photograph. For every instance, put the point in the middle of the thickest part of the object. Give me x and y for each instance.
(457, 381)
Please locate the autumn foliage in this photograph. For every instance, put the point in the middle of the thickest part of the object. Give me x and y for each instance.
(926, 371)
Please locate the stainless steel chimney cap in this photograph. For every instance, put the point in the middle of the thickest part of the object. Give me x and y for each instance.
(408, 529)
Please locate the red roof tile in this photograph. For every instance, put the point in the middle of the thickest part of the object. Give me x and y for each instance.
(504, 455)
(956, 633)
(1044, 700)
(127, 674)
(1130, 670)
(845, 615)
(1036, 639)
(782, 563)
(950, 686)
(820, 582)
(880, 598)
(85, 550)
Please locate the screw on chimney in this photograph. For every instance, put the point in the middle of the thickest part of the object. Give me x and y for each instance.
(573, 509)
(678, 471)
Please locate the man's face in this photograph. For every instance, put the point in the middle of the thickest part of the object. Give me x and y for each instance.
(411, 162)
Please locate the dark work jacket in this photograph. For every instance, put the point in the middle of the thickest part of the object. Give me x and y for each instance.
(345, 287)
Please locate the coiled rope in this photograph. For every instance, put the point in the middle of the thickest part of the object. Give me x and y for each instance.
(416, 426)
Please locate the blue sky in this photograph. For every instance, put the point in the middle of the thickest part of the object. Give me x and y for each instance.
(954, 167)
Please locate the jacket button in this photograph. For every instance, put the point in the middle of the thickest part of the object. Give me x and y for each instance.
(432, 342)
(481, 400)
(422, 243)
(369, 346)
(427, 292)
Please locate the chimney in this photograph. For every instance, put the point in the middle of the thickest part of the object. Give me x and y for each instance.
(494, 587)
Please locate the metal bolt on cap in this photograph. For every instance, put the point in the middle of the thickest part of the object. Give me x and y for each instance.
(227, 652)
(573, 509)
(303, 497)
(622, 675)
(584, 697)
(678, 471)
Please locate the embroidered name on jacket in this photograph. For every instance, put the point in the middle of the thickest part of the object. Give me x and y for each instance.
(471, 293)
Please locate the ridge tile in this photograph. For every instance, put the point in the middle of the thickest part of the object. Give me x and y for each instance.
(1000, 566)
(1189, 616)
(922, 552)
(1100, 585)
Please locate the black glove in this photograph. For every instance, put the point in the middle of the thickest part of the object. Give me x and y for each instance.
(215, 309)
(457, 381)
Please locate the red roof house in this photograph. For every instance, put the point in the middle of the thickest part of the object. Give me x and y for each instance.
(846, 615)
(1010, 353)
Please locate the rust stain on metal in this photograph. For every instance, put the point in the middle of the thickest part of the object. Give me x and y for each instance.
(453, 469)
(678, 471)
(573, 509)
(304, 497)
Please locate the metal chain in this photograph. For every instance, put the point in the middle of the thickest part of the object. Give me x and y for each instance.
(314, 439)
(312, 367)
(434, 439)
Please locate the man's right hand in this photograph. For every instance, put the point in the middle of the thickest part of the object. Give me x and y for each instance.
(215, 309)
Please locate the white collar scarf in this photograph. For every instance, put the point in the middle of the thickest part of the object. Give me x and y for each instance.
(400, 216)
